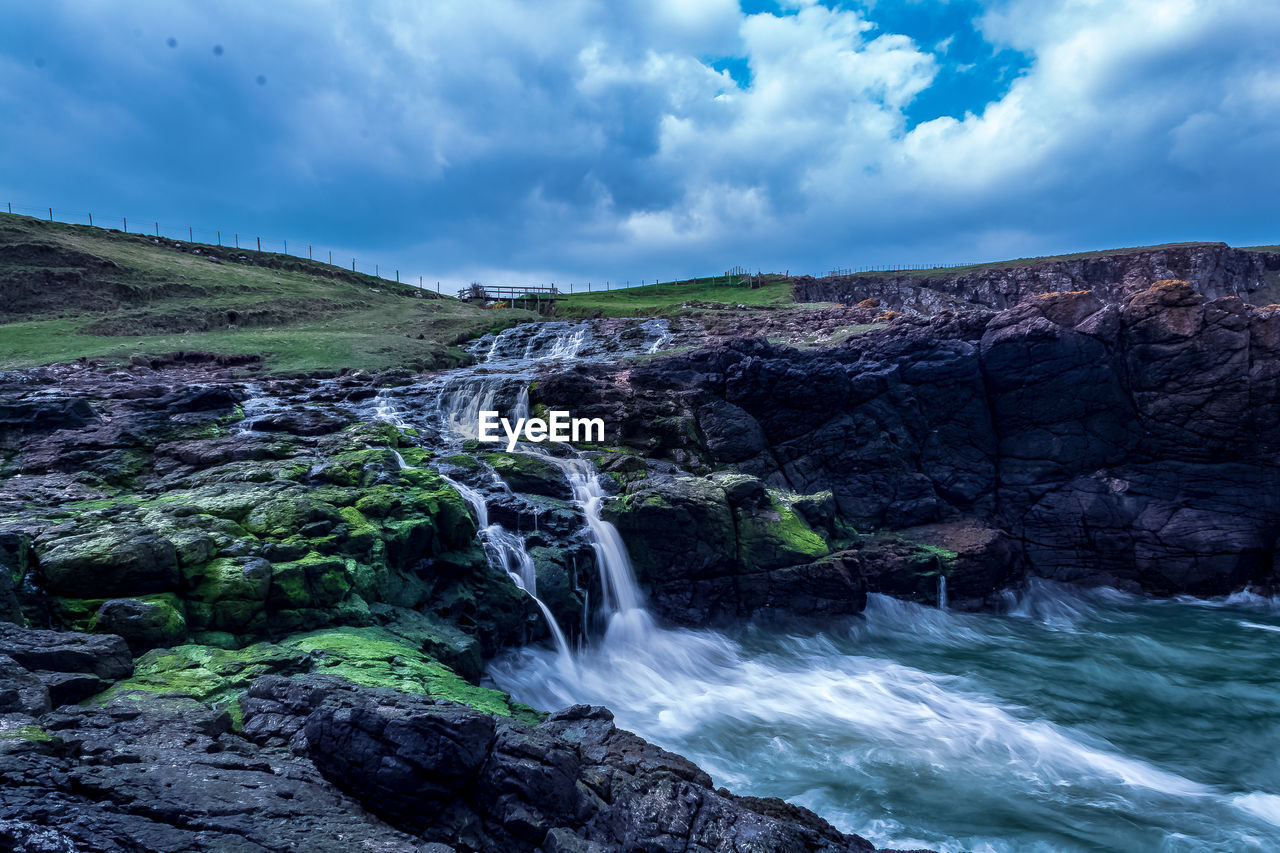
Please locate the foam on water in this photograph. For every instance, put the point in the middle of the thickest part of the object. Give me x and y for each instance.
(851, 723)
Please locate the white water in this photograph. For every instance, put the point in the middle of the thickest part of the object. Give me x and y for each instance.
(1076, 722)
(1089, 722)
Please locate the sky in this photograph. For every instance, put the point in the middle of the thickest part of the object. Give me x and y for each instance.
(570, 141)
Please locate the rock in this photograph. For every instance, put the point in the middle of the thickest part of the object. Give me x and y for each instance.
(20, 690)
(1126, 436)
(574, 782)
(114, 559)
(144, 623)
(306, 422)
(159, 773)
(45, 414)
(530, 474)
(103, 655)
(1213, 269)
(724, 547)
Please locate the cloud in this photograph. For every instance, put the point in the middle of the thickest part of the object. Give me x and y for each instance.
(588, 140)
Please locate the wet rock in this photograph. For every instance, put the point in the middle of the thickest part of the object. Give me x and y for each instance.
(144, 623)
(101, 655)
(114, 559)
(530, 474)
(155, 773)
(450, 774)
(305, 422)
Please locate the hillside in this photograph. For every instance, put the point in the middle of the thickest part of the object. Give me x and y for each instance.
(69, 291)
(677, 297)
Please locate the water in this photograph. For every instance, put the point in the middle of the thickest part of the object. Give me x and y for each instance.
(1078, 722)
(450, 406)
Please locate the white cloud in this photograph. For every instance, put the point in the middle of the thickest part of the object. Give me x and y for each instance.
(585, 136)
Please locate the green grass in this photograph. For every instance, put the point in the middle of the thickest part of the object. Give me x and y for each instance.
(69, 291)
(670, 298)
(1027, 262)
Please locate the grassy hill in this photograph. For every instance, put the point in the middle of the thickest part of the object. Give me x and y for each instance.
(71, 291)
(674, 297)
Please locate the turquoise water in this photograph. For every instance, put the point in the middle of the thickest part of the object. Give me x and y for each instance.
(1077, 721)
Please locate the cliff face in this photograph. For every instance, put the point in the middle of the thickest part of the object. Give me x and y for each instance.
(1212, 269)
(1132, 444)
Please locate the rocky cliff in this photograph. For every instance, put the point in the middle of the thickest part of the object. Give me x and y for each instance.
(1212, 269)
(1130, 443)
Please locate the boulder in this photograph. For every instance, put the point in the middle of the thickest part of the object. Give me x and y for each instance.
(112, 559)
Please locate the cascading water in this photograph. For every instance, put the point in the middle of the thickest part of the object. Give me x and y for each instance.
(1083, 721)
(505, 549)
(1076, 722)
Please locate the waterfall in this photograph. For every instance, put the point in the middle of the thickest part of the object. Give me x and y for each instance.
(504, 549)
(451, 405)
(942, 592)
(627, 618)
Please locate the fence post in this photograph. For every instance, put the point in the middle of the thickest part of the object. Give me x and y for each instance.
(330, 257)
(397, 276)
(309, 254)
(90, 219)
(286, 247)
(126, 224)
(157, 229)
(353, 264)
(191, 235)
(11, 207)
(219, 238)
(259, 244)
(237, 241)
(377, 273)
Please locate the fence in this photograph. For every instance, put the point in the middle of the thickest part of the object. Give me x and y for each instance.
(846, 271)
(245, 241)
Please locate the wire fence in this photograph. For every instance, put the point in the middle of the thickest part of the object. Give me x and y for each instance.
(847, 271)
(244, 241)
(250, 241)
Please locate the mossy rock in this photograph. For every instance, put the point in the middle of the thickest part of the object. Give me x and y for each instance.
(531, 474)
(417, 457)
(215, 676)
(317, 580)
(378, 502)
(462, 461)
(375, 657)
(289, 514)
(145, 623)
(776, 537)
(112, 559)
(375, 432)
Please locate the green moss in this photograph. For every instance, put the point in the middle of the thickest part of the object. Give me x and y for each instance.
(377, 502)
(33, 734)
(777, 537)
(416, 456)
(462, 460)
(376, 658)
(217, 677)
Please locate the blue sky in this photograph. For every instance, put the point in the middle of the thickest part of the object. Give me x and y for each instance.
(569, 140)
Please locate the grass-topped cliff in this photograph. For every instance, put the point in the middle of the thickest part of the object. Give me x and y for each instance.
(71, 291)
